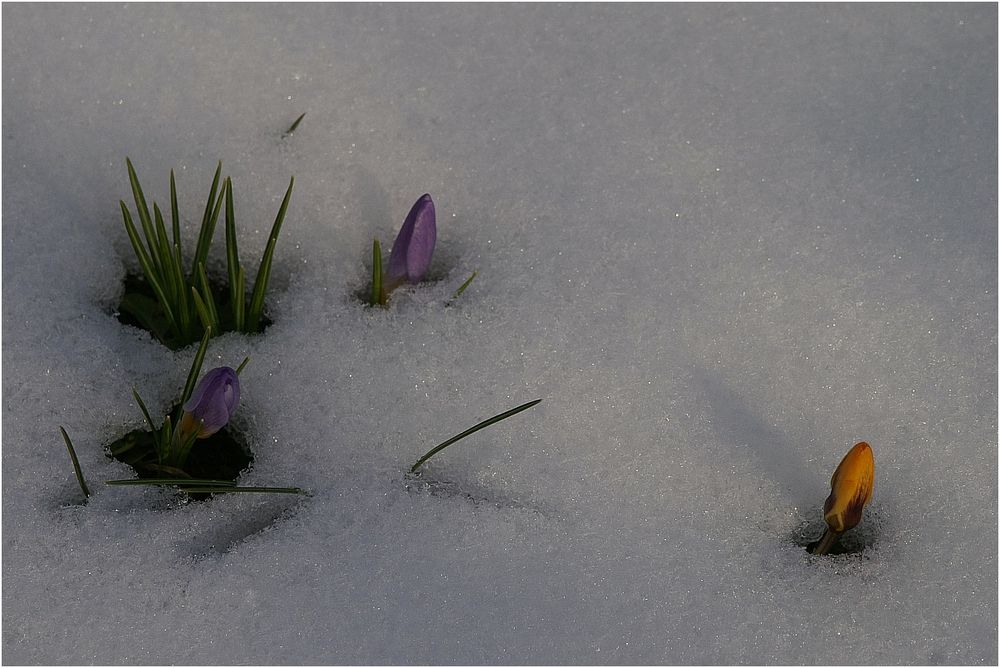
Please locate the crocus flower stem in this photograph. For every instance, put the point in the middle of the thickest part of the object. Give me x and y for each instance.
(828, 540)
(202, 486)
(237, 297)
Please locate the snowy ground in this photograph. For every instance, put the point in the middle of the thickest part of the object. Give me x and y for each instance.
(723, 244)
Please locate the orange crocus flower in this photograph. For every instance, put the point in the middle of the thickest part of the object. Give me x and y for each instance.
(850, 491)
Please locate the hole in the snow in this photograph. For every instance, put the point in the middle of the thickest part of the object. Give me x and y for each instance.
(139, 307)
(221, 456)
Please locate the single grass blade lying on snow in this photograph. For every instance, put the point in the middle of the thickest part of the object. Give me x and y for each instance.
(201, 486)
(76, 464)
(471, 430)
(227, 490)
(190, 482)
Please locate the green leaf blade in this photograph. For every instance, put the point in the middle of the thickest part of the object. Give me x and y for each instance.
(208, 222)
(195, 371)
(264, 271)
(152, 275)
(76, 464)
(471, 430)
(142, 210)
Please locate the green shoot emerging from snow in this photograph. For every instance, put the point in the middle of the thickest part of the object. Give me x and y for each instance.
(294, 125)
(76, 464)
(411, 254)
(176, 303)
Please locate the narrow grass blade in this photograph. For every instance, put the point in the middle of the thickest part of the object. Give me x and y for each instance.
(162, 243)
(201, 309)
(142, 209)
(462, 287)
(264, 271)
(165, 259)
(183, 304)
(152, 275)
(245, 361)
(208, 298)
(471, 430)
(145, 411)
(190, 482)
(200, 486)
(294, 125)
(76, 464)
(199, 357)
(227, 490)
(175, 218)
(164, 446)
(181, 449)
(378, 297)
(256, 309)
(236, 297)
(208, 221)
(239, 313)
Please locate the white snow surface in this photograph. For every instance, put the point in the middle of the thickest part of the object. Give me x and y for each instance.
(722, 243)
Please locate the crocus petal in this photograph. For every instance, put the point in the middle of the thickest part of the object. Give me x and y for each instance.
(213, 401)
(851, 488)
(414, 245)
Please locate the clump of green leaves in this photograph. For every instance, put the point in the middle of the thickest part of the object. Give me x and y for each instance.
(178, 304)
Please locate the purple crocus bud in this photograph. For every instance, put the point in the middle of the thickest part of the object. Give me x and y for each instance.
(212, 403)
(414, 245)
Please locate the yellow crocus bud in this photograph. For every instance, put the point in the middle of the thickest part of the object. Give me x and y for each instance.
(850, 490)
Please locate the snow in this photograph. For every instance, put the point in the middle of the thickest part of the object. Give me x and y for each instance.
(723, 243)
